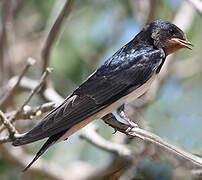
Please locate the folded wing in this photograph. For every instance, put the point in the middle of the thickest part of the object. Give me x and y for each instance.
(123, 72)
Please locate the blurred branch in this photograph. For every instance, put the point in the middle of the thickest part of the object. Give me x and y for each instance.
(28, 84)
(143, 8)
(33, 91)
(53, 33)
(5, 139)
(19, 158)
(50, 94)
(7, 122)
(180, 66)
(184, 20)
(7, 12)
(123, 155)
(8, 138)
(197, 173)
(89, 133)
(29, 112)
(9, 92)
(197, 4)
(152, 11)
(112, 171)
(3, 42)
(146, 10)
(147, 136)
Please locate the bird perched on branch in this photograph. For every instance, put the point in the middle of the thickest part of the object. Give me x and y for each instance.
(123, 77)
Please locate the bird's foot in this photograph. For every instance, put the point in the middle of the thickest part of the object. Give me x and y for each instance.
(124, 116)
(115, 130)
(131, 126)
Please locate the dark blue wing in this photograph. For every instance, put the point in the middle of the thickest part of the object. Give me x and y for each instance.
(128, 68)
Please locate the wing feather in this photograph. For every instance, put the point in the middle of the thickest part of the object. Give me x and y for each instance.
(125, 70)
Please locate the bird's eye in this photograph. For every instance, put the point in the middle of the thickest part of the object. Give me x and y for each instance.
(171, 31)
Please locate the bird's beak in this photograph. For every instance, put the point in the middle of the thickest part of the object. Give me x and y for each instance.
(183, 43)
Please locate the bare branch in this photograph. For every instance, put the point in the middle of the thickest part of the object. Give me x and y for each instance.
(33, 91)
(30, 62)
(7, 124)
(29, 112)
(52, 35)
(13, 134)
(147, 136)
(32, 111)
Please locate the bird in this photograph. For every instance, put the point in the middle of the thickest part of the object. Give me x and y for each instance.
(123, 77)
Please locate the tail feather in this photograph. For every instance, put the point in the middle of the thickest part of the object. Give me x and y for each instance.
(51, 140)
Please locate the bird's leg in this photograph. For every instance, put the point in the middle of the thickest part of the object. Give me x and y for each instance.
(121, 112)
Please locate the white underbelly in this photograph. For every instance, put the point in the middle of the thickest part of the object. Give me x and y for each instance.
(126, 99)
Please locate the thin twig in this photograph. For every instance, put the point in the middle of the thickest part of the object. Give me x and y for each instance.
(53, 33)
(7, 124)
(28, 111)
(30, 62)
(32, 111)
(33, 91)
(13, 134)
(148, 136)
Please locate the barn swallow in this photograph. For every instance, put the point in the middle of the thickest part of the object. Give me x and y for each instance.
(122, 78)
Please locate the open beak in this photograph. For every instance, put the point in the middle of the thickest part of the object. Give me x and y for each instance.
(183, 43)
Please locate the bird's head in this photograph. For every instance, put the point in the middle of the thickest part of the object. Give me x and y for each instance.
(167, 36)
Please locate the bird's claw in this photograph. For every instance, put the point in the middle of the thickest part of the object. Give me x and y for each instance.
(131, 126)
(115, 130)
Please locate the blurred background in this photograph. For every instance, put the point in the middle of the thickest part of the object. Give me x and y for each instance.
(93, 31)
